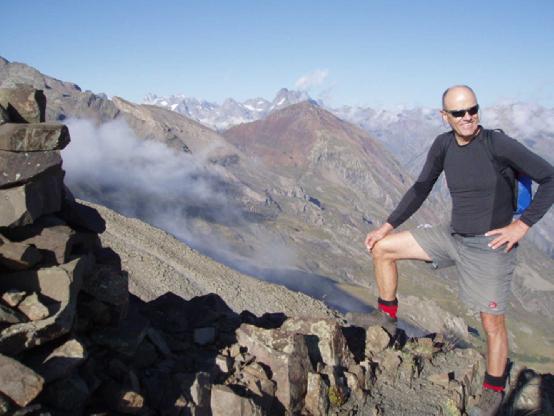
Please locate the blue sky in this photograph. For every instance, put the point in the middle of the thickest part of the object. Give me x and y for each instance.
(375, 53)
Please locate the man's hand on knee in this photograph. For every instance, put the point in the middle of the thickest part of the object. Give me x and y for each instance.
(377, 235)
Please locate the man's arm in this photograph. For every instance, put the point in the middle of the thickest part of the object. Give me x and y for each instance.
(523, 160)
(414, 197)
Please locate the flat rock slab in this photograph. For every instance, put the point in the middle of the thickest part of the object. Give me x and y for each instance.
(19, 383)
(33, 137)
(23, 204)
(18, 256)
(24, 104)
(17, 168)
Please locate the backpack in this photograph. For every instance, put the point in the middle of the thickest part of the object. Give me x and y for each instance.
(518, 181)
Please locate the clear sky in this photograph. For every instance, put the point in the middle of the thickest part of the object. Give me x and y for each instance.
(376, 53)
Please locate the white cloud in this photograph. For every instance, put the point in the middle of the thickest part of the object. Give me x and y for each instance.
(313, 79)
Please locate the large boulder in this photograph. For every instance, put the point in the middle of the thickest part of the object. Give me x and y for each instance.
(19, 383)
(33, 137)
(61, 284)
(325, 340)
(287, 356)
(225, 401)
(62, 361)
(24, 104)
(23, 204)
(17, 168)
(57, 242)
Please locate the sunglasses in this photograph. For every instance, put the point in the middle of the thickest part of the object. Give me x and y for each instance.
(460, 113)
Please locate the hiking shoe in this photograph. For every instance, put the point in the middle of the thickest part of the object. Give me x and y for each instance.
(489, 403)
(375, 318)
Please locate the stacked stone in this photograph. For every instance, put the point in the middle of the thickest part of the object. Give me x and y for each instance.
(48, 244)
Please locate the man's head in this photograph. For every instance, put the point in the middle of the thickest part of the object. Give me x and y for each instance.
(460, 110)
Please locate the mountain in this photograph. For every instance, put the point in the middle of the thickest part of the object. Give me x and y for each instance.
(287, 199)
(231, 112)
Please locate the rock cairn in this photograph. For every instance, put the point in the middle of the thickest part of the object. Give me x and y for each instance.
(74, 341)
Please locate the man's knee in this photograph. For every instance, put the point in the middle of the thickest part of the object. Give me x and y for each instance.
(493, 324)
(384, 250)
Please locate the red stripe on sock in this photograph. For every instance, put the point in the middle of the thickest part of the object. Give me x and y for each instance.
(491, 387)
(389, 310)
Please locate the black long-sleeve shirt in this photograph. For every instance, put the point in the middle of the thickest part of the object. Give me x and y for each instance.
(481, 197)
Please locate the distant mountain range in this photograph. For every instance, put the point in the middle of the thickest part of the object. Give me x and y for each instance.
(231, 112)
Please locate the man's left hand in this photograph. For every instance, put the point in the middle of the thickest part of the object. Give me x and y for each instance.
(508, 235)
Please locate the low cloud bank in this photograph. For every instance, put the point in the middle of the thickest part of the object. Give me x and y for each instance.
(184, 194)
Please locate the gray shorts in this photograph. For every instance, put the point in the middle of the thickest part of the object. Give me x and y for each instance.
(485, 274)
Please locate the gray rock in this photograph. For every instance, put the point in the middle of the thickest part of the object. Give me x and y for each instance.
(204, 336)
(224, 363)
(376, 340)
(18, 256)
(255, 379)
(126, 337)
(159, 341)
(316, 401)
(54, 239)
(110, 286)
(225, 401)
(24, 104)
(68, 394)
(324, 338)
(18, 382)
(23, 204)
(62, 361)
(33, 137)
(287, 356)
(13, 297)
(60, 283)
(121, 399)
(33, 308)
(200, 390)
(17, 168)
(11, 316)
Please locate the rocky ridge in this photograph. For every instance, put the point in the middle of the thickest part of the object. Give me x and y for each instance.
(73, 340)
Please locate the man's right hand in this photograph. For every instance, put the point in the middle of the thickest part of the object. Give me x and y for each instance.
(377, 235)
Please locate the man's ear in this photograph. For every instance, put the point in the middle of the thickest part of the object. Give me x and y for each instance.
(444, 116)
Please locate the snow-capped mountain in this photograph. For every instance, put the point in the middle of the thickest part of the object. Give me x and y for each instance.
(230, 112)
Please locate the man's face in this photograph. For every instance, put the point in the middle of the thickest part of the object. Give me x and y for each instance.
(461, 99)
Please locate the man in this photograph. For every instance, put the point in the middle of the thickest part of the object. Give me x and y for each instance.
(481, 240)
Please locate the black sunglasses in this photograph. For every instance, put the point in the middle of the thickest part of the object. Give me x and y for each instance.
(460, 113)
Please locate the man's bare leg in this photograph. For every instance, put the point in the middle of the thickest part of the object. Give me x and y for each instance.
(497, 343)
(386, 252)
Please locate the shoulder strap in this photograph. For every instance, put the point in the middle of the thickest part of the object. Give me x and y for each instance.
(504, 170)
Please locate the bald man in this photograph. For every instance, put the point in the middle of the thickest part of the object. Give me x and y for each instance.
(481, 240)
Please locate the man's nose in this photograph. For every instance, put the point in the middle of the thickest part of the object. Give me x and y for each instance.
(467, 116)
